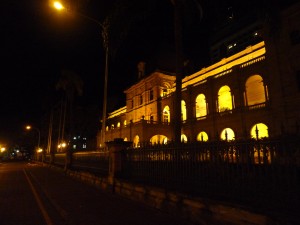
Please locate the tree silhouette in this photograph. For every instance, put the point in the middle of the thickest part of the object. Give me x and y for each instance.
(71, 84)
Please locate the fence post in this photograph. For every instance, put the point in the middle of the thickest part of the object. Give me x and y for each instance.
(115, 148)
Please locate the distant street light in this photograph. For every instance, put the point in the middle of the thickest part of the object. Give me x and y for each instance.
(2, 149)
(28, 127)
(104, 29)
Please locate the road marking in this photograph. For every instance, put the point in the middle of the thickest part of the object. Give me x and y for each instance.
(38, 200)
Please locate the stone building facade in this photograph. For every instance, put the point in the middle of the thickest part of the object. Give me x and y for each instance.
(251, 93)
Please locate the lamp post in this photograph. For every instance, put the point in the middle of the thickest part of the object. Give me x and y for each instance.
(28, 127)
(104, 32)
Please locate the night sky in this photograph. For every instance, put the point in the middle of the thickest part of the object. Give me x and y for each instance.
(38, 43)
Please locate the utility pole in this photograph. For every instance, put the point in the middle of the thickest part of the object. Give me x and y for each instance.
(178, 6)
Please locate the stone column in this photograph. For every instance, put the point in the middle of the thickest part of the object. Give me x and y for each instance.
(115, 149)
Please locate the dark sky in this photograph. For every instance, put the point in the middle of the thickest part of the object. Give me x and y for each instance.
(38, 42)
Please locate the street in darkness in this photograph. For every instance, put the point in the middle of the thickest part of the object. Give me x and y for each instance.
(32, 194)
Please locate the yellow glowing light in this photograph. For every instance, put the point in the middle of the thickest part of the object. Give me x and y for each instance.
(159, 139)
(39, 150)
(202, 136)
(227, 134)
(58, 5)
(225, 100)
(259, 130)
(3, 149)
(62, 145)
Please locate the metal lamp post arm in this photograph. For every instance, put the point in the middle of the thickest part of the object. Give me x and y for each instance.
(104, 32)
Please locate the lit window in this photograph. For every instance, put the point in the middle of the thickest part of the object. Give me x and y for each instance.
(202, 136)
(227, 134)
(259, 131)
(224, 99)
(184, 138)
(201, 106)
(158, 139)
(166, 114)
(136, 141)
(183, 110)
(255, 90)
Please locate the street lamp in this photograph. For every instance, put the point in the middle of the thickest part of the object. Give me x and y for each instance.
(28, 127)
(104, 29)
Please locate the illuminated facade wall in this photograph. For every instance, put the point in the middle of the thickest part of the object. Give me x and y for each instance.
(254, 93)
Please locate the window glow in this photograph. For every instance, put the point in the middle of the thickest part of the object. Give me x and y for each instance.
(224, 99)
(201, 106)
(227, 134)
(166, 114)
(184, 138)
(255, 91)
(158, 139)
(183, 110)
(202, 136)
(259, 131)
(136, 142)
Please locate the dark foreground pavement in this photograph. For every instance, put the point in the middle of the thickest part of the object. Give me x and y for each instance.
(31, 194)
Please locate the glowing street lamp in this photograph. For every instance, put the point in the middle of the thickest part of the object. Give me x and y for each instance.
(57, 5)
(2, 149)
(104, 32)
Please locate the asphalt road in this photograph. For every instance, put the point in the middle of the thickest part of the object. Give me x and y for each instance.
(31, 194)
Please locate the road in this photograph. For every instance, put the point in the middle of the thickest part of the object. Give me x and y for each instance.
(32, 194)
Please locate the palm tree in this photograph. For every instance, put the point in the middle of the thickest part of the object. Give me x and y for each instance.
(72, 85)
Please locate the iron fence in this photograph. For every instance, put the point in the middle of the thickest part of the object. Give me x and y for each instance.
(262, 174)
(93, 161)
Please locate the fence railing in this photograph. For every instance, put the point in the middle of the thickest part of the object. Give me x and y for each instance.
(255, 173)
(259, 174)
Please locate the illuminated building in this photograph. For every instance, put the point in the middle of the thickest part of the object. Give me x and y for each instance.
(253, 92)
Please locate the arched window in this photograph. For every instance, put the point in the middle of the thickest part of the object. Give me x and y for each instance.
(125, 139)
(202, 136)
(159, 139)
(227, 134)
(183, 110)
(255, 90)
(201, 110)
(118, 124)
(136, 141)
(184, 138)
(106, 128)
(166, 114)
(165, 89)
(224, 99)
(125, 123)
(259, 131)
